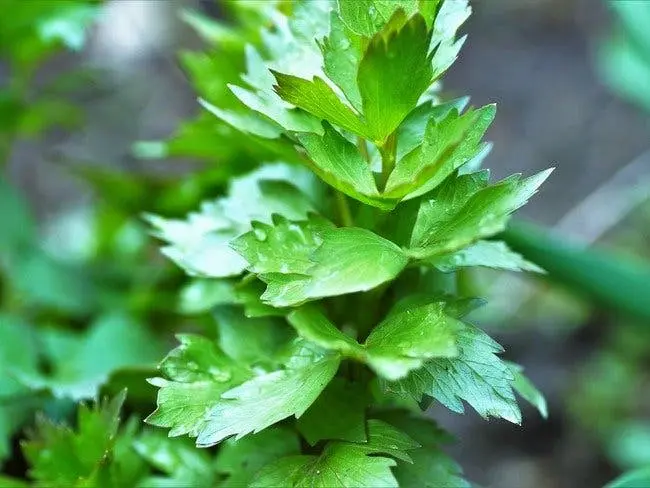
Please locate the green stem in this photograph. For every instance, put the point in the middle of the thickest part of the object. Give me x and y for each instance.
(344, 210)
(388, 153)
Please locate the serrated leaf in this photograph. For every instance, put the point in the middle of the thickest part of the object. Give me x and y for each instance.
(319, 99)
(527, 390)
(337, 414)
(198, 374)
(200, 244)
(349, 260)
(399, 344)
(338, 162)
(365, 17)
(60, 456)
(394, 71)
(476, 375)
(341, 55)
(283, 247)
(342, 464)
(246, 122)
(446, 145)
(242, 459)
(268, 398)
(465, 209)
(491, 254)
(404, 340)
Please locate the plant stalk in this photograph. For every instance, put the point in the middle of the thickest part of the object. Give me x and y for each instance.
(388, 153)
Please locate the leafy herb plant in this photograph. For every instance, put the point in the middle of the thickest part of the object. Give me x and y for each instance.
(333, 279)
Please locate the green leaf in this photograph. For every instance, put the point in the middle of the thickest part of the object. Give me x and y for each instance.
(394, 71)
(200, 244)
(491, 254)
(337, 414)
(365, 17)
(465, 209)
(246, 122)
(338, 162)
(477, 376)
(250, 340)
(319, 99)
(341, 55)
(198, 374)
(268, 398)
(349, 260)
(404, 340)
(242, 459)
(60, 456)
(638, 478)
(342, 464)
(68, 25)
(283, 247)
(527, 390)
(606, 278)
(399, 344)
(183, 464)
(430, 467)
(447, 144)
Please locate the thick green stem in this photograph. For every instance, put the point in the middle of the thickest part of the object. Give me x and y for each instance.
(363, 148)
(388, 153)
(345, 215)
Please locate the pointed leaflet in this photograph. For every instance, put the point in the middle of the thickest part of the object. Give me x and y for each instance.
(431, 467)
(349, 260)
(198, 374)
(342, 464)
(491, 254)
(342, 50)
(338, 162)
(399, 344)
(318, 98)
(394, 71)
(60, 456)
(477, 376)
(465, 209)
(283, 247)
(527, 390)
(365, 17)
(200, 244)
(447, 144)
(268, 398)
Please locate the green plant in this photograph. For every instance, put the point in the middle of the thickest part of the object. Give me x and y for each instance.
(338, 316)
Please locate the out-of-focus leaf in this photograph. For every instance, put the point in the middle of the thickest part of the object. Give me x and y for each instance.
(610, 280)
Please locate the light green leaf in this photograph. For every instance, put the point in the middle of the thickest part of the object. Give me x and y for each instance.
(404, 340)
(465, 209)
(447, 144)
(399, 344)
(365, 17)
(349, 260)
(394, 71)
(342, 464)
(200, 244)
(283, 247)
(242, 459)
(319, 99)
(491, 254)
(268, 398)
(337, 414)
(638, 478)
(60, 456)
(527, 390)
(272, 106)
(245, 121)
(341, 55)
(198, 374)
(338, 162)
(477, 376)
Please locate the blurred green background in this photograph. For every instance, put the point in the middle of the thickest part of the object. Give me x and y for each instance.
(99, 124)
